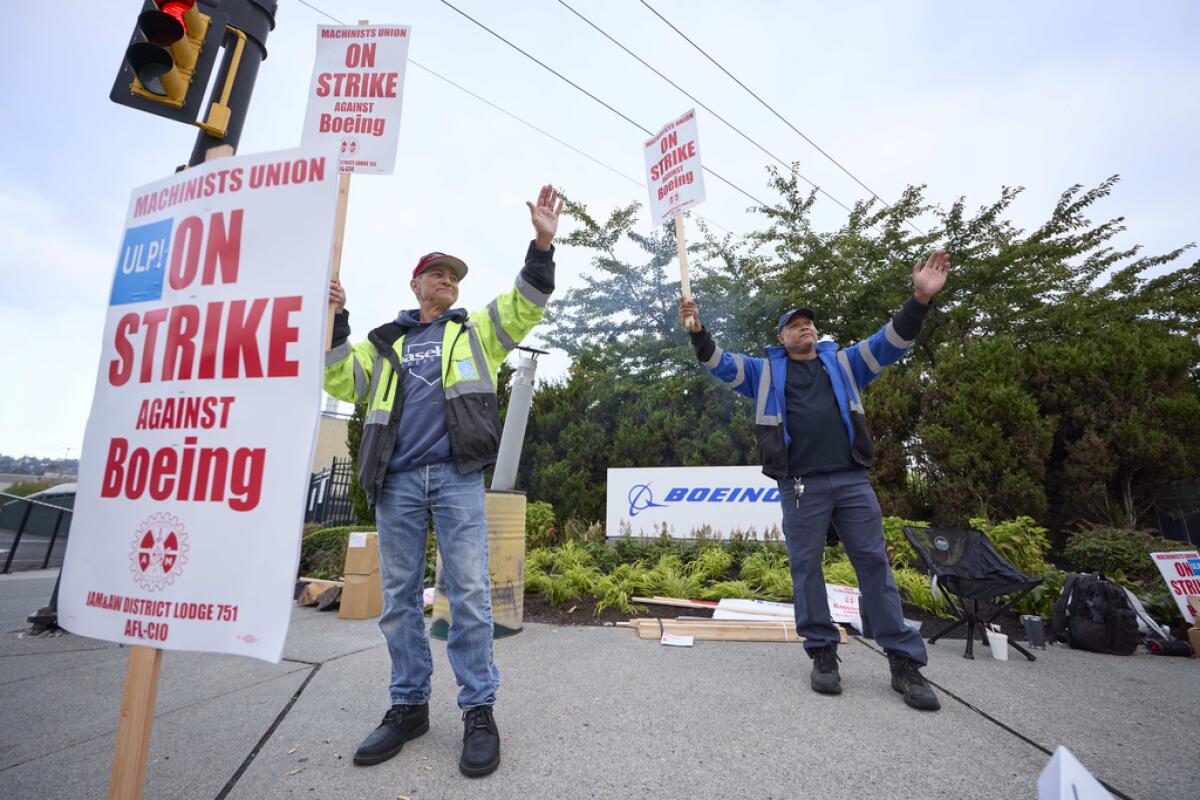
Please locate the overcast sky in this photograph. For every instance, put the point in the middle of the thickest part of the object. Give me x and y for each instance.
(963, 97)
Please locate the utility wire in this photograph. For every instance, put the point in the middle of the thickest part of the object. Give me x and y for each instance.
(564, 78)
(700, 103)
(772, 110)
(524, 122)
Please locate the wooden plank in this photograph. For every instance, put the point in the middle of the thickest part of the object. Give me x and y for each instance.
(675, 601)
(132, 750)
(722, 630)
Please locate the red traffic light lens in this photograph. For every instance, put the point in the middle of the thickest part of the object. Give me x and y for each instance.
(166, 25)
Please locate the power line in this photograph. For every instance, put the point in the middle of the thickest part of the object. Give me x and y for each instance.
(524, 122)
(772, 110)
(564, 78)
(697, 101)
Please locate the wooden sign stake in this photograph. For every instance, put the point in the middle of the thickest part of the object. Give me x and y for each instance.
(685, 283)
(131, 754)
(339, 235)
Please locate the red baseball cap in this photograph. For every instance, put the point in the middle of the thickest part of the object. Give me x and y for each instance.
(431, 259)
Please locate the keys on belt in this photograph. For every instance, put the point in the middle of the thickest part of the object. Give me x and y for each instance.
(798, 482)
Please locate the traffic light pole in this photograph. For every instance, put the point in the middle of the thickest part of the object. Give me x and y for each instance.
(256, 19)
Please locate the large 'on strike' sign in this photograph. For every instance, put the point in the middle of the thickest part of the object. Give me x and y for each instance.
(195, 460)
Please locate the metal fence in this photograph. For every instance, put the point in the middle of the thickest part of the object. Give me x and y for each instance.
(33, 533)
(329, 495)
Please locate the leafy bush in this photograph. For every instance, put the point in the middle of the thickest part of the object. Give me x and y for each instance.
(1019, 540)
(323, 554)
(669, 578)
(738, 590)
(712, 562)
(540, 527)
(768, 570)
(900, 551)
(1112, 550)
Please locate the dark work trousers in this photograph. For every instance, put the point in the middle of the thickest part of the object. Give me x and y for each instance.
(847, 498)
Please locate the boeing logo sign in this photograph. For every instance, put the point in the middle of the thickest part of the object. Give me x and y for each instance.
(641, 497)
(682, 501)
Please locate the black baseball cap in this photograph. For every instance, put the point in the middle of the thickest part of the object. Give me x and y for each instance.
(787, 317)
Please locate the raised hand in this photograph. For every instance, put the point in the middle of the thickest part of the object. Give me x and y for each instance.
(544, 216)
(929, 278)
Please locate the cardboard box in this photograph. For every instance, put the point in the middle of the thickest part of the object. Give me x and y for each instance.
(362, 596)
(1194, 638)
(1193, 604)
(362, 554)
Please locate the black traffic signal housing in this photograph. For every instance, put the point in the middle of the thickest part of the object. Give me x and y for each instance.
(170, 58)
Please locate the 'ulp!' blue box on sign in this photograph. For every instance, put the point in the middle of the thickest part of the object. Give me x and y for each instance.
(142, 264)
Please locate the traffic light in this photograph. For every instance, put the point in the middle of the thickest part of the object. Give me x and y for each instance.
(170, 58)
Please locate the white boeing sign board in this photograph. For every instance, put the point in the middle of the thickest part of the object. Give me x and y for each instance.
(646, 501)
(195, 462)
(356, 94)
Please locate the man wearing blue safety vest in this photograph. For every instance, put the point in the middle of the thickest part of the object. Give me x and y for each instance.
(813, 439)
(429, 381)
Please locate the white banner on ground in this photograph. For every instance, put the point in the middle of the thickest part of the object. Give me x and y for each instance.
(1181, 571)
(673, 172)
(648, 501)
(843, 604)
(195, 461)
(355, 95)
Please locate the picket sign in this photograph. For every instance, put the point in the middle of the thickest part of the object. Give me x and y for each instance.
(131, 752)
(354, 103)
(339, 235)
(676, 182)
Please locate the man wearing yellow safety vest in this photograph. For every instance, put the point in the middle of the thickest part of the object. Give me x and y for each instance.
(429, 381)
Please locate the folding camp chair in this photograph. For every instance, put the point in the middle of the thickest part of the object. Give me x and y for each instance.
(964, 565)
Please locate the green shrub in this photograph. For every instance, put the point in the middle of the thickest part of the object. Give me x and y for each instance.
(838, 569)
(712, 562)
(915, 589)
(738, 590)
(1021, 541)
(1111, 550)
(669, 578)
(323, 553)
(902, 553)
(540, 527)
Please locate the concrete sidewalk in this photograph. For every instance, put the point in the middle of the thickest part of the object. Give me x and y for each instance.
(589, 712)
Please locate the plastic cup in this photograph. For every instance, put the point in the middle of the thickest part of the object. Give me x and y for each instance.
(999, 645)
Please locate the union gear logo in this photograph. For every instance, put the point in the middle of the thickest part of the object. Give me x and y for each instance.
(159, 551)
(941, 543)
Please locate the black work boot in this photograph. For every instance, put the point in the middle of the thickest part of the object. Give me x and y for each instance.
(481, 742)
(907, 679)
(824, 677)
(400, 724)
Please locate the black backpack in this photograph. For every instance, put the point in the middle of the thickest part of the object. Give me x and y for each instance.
(1093, 613)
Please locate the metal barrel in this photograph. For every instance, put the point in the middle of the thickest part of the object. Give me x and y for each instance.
(506, 568)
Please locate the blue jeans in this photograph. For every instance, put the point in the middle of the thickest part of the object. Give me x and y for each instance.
(847, 498)
(456, 502)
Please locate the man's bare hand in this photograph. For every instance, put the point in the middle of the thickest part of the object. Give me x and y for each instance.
(689, 309)
(930, 277)
(337, 296)
(544, 216)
